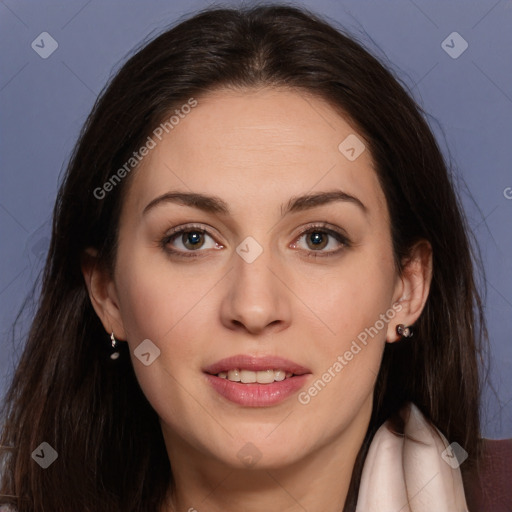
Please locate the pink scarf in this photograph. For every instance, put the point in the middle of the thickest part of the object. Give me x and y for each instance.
(414, 472)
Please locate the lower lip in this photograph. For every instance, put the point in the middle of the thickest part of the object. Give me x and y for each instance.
(257, 395)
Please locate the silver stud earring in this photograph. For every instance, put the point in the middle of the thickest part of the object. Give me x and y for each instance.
(404, 331)
(115, 348)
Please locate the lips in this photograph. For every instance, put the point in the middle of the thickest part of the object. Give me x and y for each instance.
(255, 364)
(224, 375)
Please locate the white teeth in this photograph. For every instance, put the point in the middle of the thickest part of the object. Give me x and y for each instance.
(234, 375)
(261, 377)
(265, 376)
(247, 377)
(279, 375)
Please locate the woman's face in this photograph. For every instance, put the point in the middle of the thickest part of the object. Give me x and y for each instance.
(243, 290)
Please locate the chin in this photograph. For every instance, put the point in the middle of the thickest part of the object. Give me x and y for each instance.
(267, 452)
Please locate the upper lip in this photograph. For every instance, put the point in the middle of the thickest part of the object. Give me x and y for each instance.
(247, 362)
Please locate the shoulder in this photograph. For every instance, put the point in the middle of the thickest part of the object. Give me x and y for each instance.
(488, 487)
(7, 508)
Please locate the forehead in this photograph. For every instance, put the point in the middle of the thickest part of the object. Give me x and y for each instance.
(257, 146)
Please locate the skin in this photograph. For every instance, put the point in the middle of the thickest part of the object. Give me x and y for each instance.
(256, 149)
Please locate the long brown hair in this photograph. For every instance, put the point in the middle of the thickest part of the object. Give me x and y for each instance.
(67, 392)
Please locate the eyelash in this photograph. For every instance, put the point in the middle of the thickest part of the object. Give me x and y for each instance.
(318, 228)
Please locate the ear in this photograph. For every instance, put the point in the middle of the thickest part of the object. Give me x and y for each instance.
(102, 293)
(412, 288)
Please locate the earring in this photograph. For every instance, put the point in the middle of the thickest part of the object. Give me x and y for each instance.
(115, 348)
(401, 330)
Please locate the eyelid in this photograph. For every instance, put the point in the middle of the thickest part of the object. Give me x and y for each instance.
(204, 229)
(333, 232)
(325, 226)
(188, 227)
(178, 230)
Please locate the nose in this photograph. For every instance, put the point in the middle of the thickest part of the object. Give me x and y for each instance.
(256, 298)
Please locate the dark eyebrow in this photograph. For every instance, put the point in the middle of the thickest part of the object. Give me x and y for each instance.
(213, 204)
(206, 203)
(300, 203)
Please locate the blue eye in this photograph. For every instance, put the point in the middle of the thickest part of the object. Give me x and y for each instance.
(188, 241)
(319, 238)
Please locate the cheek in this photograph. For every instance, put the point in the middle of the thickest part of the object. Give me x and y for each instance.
(160, 303)
(352, 299)
(146, 304)
(349, 354)
(152, 296)
(355, 307)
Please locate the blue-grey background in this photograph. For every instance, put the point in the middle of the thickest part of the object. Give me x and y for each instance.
(44, 102)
